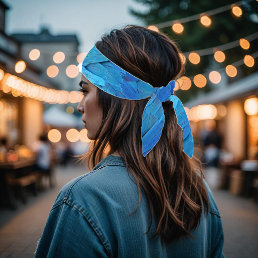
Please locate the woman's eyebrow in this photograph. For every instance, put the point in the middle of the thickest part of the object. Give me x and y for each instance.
(83, 82)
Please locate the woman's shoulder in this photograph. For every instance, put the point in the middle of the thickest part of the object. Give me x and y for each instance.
(106, 179)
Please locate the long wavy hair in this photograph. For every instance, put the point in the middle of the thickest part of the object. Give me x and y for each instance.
(172, 182)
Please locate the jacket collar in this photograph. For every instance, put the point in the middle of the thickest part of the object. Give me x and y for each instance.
(110, 160)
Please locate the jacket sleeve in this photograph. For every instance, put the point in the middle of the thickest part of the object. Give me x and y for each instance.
(69, 234)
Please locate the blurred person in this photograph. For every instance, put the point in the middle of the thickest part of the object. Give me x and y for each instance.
(145, 195)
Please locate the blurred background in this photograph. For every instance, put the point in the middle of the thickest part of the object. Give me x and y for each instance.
(41, 44)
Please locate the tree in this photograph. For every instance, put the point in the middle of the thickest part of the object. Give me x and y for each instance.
(225, 28)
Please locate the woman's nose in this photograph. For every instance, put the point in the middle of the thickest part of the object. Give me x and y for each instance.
(80, 108)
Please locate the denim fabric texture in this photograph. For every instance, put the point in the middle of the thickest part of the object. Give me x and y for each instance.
(91, 218)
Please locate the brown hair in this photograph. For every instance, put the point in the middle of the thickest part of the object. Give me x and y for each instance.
(171, 180)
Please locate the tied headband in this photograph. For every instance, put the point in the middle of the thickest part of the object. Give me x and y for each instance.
(112, 79)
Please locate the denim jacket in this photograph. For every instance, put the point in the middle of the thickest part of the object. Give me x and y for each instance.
(90, 218)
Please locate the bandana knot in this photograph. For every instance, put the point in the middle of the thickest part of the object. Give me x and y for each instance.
(164, 93)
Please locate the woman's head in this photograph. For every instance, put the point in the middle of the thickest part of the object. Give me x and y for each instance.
(167, 175)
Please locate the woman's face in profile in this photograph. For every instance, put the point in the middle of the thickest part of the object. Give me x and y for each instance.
(89, 107)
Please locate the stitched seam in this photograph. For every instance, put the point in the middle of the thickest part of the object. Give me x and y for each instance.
(93, 225)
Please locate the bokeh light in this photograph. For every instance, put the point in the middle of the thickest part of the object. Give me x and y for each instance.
(194, 58)
(244, 43)
(153, 27)
(231, 70)
(215, 77)
(34, 54)
(237, 11)
(199, 80)
(205, 21)
(52, 71)
(80, 57)
(178, 28)
(54, 135)
(83, 136)
(251, 106)
(184, 83)
(249, 61)
(72, 135)
(72, 71)
(59, 57)
(219, 56)
(20, 66)
(69, 110)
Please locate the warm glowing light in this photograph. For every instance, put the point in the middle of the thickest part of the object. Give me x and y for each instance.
(237, 11)
(70, 110)
(251, 106)
(231, 70)
(52, 71)
(182, 57)
(80, 57)
(199, 80)
(1, 74)
(72, 135)
(178, 28)
(72, 71)
(194, 58)
(203, 112)
(219, 56)
(249, 61)
(215, 77)
(34, 54)
(20, 66)
(184, 83)
(154, 28)
(244, 43)
(54, 135)
(222, 110)
(83, 136)
(205, 21)
(75, 96)
(58, 57)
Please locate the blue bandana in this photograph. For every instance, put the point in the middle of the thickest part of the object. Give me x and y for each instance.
(112, 79)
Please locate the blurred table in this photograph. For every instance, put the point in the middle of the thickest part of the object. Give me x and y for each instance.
(16, 169)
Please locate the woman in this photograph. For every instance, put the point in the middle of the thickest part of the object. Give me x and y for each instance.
(145, 196)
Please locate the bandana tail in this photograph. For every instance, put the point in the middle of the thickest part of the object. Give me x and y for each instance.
(183, 122)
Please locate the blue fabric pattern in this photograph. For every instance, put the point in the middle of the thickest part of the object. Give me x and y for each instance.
(114, 80)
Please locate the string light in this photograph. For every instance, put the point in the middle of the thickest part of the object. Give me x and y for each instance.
(72, 135)
(219, 56)
(34, 54)
(54, 135)
(80, 57)
(251, 106)
(178, 28)
(249, 61)
(237, 11)
(205, 21)
(199, 80)
(72, 71)
(231, 70)
(59, 57)
(215, 77)
(153, 27)
(20, 66)
(52, 71)
(244, 43)
(184, 83)
(83, 136)
(194, 58)
(202, 112)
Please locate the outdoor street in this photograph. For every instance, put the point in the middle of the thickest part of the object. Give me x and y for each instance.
(21, 229)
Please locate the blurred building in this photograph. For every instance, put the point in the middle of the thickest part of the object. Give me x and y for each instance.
(57, 55)
(233, 108)
(21, 115)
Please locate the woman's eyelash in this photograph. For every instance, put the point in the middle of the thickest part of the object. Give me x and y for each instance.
(83, 91)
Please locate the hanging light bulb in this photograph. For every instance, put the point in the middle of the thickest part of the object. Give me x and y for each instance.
(231, 70)
(52, 71)
(215, 77)
(58, 57)
(249, 61)
(237, 11)
(194, 58)
(178, 28)
(205, 21)
(153, 27)
(219, 56)
(20, 66)
(244, 43)
(199, 80)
